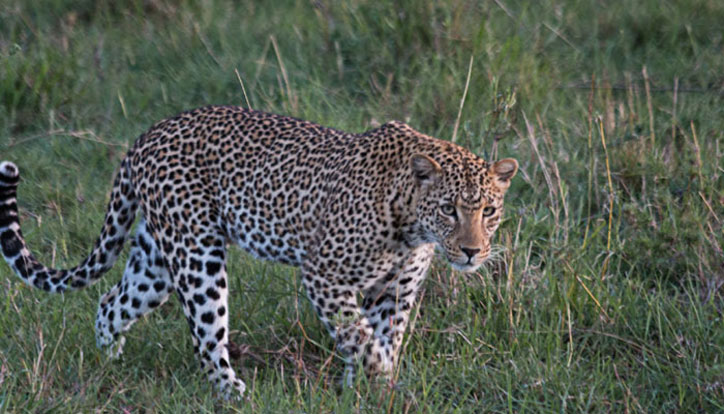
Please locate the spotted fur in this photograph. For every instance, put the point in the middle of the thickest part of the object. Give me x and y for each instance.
(360, 214)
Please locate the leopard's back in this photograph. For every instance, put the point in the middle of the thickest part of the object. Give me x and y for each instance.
(260, 178)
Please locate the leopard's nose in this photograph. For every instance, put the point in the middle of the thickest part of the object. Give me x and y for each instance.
(470, 252)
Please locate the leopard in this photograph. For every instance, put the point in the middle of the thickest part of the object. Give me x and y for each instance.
(359, 214)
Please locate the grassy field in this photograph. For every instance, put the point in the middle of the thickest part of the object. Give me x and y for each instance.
(608, 296)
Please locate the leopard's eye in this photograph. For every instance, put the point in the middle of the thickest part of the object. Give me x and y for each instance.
(448, 210)
(488, 211)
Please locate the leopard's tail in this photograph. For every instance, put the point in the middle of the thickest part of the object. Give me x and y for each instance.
(120, 215)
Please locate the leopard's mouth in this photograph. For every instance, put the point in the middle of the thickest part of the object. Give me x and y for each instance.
(465, 264)
(467, 268)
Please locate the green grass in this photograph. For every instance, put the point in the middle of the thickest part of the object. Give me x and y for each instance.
(608, 297)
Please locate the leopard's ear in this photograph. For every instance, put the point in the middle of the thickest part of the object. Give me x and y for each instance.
(504, 171)
(425, 170)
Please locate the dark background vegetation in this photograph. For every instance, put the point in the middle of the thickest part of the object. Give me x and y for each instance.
(607, 293)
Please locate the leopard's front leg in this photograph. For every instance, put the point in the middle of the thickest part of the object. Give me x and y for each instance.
(337, 308)
(387, 307)
(371, 334)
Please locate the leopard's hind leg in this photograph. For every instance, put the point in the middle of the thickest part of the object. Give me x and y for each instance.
(197, 263)
(146, 284)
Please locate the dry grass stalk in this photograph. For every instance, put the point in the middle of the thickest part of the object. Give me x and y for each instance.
(243, 89)
(546, 174)
(590, 160)
(698, 154)
(650, 105)
(673, 108)
(123, 105)
(610, 184)
(630, 101)
(291, 97)
(462, 101)
(557, 175)
(590, 294)
(611, 196)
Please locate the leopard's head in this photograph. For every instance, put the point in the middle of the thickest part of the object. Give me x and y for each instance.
(460, 203)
